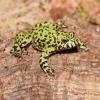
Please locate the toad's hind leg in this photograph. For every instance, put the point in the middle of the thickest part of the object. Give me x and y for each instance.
(44, 61)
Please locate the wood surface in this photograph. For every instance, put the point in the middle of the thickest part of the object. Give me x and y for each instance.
(77, 73)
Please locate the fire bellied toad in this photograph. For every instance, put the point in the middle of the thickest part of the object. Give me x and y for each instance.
(47, 38)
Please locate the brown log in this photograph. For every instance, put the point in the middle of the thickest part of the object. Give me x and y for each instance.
(77, 74)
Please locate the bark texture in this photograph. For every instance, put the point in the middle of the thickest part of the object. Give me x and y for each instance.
(77, 73)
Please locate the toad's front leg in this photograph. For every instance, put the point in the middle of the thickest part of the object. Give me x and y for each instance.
(81, 45)
(44, 61)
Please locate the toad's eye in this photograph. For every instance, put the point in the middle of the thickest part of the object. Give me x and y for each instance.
(71, 34)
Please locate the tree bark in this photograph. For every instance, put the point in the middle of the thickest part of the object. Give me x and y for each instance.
(77, 74)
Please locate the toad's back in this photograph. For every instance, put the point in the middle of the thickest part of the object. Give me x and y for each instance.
(45, 37)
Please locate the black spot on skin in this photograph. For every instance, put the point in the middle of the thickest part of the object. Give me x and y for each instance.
(47, 26)
(57, 27)
(49, 37)
(28, 37)
(45, 22)
(32, 28)
(48, 42)
(50, 71)
(67, 46)
(24, 42)
(54, 40)
(63, 41)
(54, 28)
(19, 40)
(40, 25)
(45, 57)
(18, 50)
(45, 35)
(21, 35)
(36, 25)
(53, 45)
(38, 40)
(41, 30)
(49, 33)
(58, 33)
(43, 63)
(40, 44)
(35, 33)
(43, 40)
(58, 42)
(15, 47)
(49, 46)
(40, 34)
(45, 67)
(22, 39)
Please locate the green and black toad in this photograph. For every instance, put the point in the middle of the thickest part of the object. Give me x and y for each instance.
(47, 38)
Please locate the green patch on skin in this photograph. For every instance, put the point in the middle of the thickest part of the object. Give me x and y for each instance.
(48, 39)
